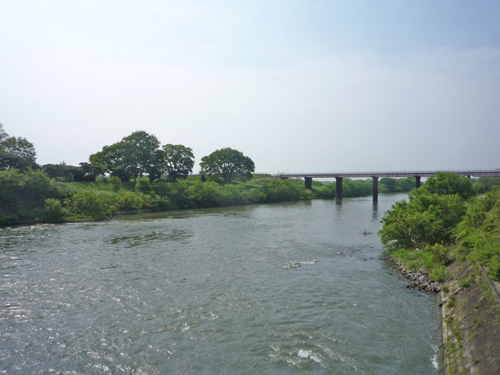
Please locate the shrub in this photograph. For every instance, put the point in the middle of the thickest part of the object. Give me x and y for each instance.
(283, 190)
(148, 202)
(162, 188)
(206, 193)
(439, 253)
(100, 179)
(438, 273)
(181, 196)
(144, 186)
(425, 219)
(87, 204)
(116, 182)
(494, 267)
(163, 203)
(464, 283)
(54, 211)
(129, 202)
(23, 195)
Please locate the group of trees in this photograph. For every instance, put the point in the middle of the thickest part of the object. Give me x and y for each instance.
(441, 219)
(16, 152)
(430, 213)
(139, 154)
(85, 172)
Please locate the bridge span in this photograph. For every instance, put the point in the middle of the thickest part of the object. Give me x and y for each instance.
(376, 175)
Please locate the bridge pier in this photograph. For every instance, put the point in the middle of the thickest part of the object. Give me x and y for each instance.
(308, 182)
(375, 189)
(417, 184)
(338, 188)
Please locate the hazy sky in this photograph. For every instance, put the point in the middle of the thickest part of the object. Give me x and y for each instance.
(303, 86)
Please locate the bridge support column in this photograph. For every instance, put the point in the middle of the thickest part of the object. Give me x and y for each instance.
(308, 182)
(417, 184)
(338, 188)
(375, 189)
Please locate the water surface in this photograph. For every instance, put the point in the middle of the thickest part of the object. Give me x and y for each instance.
(295, 288)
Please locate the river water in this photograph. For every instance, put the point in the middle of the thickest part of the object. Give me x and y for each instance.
(294, 288)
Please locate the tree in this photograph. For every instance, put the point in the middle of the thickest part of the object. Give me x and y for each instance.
(485, 184)
(229, 164)
(140, 153)
(178, 161)
(116, 182)
(448, 183)
(390, 183)
(111, 160)
(133, 156)
(425, 219)
(91, 171)
(3, 134)
(16, 152)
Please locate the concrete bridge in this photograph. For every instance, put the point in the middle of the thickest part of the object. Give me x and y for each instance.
(376, 175)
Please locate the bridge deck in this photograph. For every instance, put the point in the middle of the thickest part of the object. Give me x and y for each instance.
(472, 173)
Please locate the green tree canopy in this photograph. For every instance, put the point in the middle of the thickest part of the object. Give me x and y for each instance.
(178, 161)
(140, 153)
(3, 134)
(448, 183)
(16, 152)
(111, 160)
(133, 156)
(229, 164)
(485, 184)
(430, 215)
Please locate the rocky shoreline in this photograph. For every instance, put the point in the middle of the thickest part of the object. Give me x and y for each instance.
(419, 279)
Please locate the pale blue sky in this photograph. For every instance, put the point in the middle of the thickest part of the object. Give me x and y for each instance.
(302, 86)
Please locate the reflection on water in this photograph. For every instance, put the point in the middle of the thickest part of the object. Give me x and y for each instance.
(282, 288)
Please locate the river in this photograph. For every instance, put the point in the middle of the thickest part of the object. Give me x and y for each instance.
(293, 288)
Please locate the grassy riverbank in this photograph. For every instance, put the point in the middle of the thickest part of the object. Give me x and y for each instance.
(449, 235)
(32, 197)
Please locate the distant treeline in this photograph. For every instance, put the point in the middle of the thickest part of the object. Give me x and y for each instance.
(359, 188)
(59, 192)
(32, 197)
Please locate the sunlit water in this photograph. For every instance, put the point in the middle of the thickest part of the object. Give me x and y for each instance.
(269, 289)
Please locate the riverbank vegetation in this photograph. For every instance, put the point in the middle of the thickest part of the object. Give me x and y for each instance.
(137, 174)
(446, 231)
(444, 221)
(33, 197)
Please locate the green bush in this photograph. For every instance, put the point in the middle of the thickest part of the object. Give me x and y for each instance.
(162, 188)
(448, 183)
(116, 182)
(101, 179)
(89, 205)
(129, 202)
(181, 196)
(425, 220)
(23, 195)
(494, 267)
(144, 186)
(283, 191)
(54, 211)
(439, 253)
(438, 273)
(206, 194)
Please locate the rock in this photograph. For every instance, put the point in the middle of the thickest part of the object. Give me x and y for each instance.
(419, 280)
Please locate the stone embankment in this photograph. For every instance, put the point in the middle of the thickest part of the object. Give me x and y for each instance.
(419, 280)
